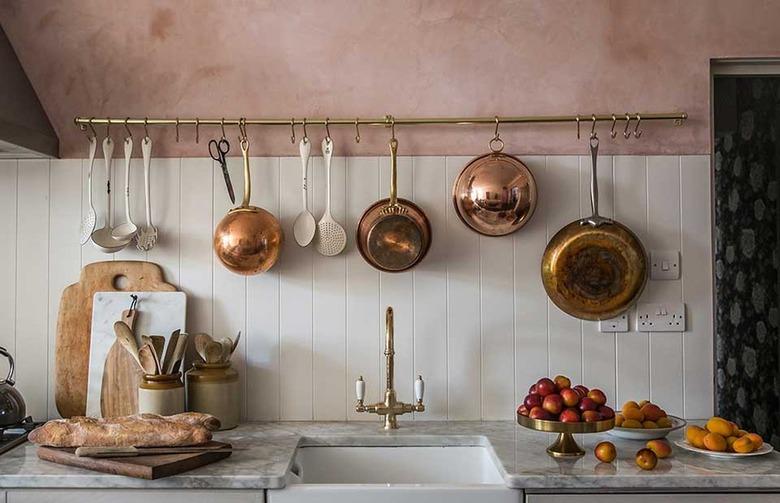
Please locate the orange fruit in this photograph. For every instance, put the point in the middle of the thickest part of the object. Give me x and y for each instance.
(664, 422)
(715, 442)
(605, 452)
(631, 423)
(660, 447)
(740, 433)
(619, 420)
(635, 414)
(756, 439)
(743, 445)
(649, 425)
(630, 405)
(652, 412)
(730, 443)
(646, 459)
(720, 426)
(695, 436)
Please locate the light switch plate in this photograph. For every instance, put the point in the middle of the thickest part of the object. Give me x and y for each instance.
(660, 317)
(664, 264)
(616, 324)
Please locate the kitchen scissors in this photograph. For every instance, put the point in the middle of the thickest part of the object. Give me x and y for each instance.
(218, 150)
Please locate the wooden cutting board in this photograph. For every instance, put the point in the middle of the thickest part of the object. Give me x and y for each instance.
(143, 467)
(75, 320)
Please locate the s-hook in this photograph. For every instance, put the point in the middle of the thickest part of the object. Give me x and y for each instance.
(177, 130)
(327, 129)
(612, 131)
(593, 127)
(305, 136)
(496, 144)
(637, 132)
(391, 119)
(292, 130)
(626, 133)
(222, 126)
(129, 133)
(197, 130)
(146, 130)
(578, 125)
(357, 130)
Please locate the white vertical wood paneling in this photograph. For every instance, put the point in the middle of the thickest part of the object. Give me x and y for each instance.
(196, 201)
(8, 191)
(430, 287)
(363, 321)
(630, 207)
(562, 179)
(397, 290)
(295, 268)
(530, 299)
(64, 247)
(696, 247)
(229, 289)
(663, 233)
(464, 358)
(598, 349)
(32, 283)
(329, 304)
(165, 191)
(262, 327)
(472, 317)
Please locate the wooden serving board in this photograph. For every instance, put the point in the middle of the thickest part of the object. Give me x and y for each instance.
(75, 320)
(149, 467)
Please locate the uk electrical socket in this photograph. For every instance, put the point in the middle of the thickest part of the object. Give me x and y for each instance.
(660, 317)
(617, 324)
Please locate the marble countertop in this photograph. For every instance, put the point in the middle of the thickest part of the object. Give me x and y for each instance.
(270, 448)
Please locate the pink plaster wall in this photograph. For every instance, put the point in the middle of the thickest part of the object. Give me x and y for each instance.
(372, 57)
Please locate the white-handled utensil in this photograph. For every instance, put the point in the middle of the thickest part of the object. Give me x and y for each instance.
(331, 237)
(90, 219)
(147, 235)
(128, 229)
(304, 226)
(103, 238)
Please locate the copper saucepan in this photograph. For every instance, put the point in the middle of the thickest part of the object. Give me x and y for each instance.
(248, 239)
(594, 268)
(495, 194)
(393, 234)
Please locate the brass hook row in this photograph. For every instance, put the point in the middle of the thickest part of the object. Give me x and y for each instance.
(626, 133)
(87, 124)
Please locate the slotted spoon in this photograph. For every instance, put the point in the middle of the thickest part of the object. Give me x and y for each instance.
(331, 236)
(90, 219)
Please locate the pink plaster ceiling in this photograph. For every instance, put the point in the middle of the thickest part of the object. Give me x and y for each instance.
(372, 57)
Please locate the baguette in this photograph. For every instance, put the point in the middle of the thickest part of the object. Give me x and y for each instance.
(141, 430)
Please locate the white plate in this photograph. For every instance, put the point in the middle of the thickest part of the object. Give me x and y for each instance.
(647, 433)
(764, 449)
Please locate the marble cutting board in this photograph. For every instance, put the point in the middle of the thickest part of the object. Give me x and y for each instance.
(158, 313)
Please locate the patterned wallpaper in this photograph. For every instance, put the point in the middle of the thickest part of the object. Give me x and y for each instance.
(747, 350)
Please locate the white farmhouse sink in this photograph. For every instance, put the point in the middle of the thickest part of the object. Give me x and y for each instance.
(328, 474)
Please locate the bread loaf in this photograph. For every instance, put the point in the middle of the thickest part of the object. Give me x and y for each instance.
(141, 430)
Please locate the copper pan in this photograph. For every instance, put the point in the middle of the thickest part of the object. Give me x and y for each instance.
(594, 268)
(248, 239)
(393, 234)
(495, 194)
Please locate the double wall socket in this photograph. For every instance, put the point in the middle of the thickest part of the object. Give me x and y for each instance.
(660, 317)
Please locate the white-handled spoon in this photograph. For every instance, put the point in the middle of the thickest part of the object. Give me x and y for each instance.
(103, 238)
(304, 226)
(128, 229)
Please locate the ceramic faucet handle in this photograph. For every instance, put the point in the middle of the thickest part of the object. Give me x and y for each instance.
(419, 389)
(360, 388)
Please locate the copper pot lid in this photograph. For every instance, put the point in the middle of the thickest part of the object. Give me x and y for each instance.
(495, 194)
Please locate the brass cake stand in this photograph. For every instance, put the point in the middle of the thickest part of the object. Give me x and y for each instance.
(565, 446)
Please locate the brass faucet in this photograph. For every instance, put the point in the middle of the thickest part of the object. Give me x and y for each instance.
(390, 408)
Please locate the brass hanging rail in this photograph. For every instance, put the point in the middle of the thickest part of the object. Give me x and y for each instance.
(386, 121)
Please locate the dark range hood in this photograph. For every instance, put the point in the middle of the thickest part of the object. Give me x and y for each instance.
(25, 130)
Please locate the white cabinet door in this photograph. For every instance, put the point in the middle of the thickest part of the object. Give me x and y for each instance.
(133, 496)
(653, 498)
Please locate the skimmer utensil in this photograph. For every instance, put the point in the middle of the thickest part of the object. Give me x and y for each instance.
(147, 235)
(128, 229)
(304, 226)
(90, 219)
(331, 238)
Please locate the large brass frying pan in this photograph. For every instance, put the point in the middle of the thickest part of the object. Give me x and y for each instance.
(393, 234)
(594, 268)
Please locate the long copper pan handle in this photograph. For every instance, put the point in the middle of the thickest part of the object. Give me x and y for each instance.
(247, 181)
(393, 172)
(594, 184)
